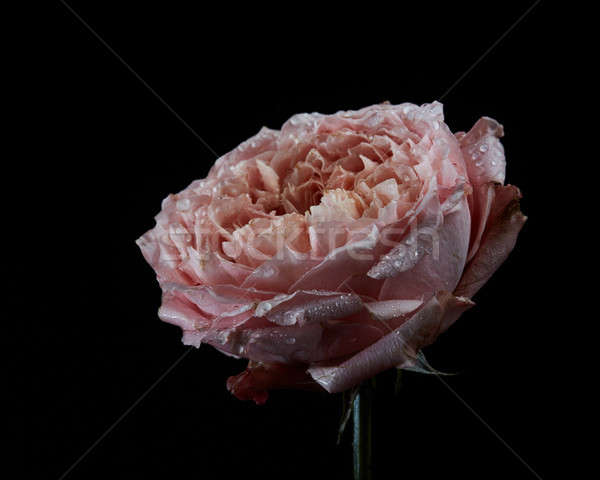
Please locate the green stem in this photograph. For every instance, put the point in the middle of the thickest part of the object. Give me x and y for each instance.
(361, 415)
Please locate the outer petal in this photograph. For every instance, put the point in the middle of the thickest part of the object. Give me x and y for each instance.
(396, 349)
(503, 226)
(255, 382)
(441, 264)
(486, 166)
(178, 310)
(483, 152)
(218, 299)
(260, 340)
(303, 327)
(304, 307)
(162, 256)
(480, 205)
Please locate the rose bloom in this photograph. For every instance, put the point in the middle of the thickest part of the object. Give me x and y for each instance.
(337, 247)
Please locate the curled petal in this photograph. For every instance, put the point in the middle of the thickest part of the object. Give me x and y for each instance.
(391, 309)
(303, 307)
(396, 349)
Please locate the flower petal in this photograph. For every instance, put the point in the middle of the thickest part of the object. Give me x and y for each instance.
(504, 223)
(441, 265)
(483, 152)
(255, 382)
(396, 349)
(303, 307)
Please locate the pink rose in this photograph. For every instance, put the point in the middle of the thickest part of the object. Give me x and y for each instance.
(337, 247)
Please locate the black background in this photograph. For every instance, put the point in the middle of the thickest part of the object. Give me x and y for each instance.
(111, 151)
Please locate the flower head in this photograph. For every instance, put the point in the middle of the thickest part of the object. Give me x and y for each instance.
(336, 247)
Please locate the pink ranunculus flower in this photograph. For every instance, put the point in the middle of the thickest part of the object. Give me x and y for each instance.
(337, 247)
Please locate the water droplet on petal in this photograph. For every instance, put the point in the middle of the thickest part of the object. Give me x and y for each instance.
(268, 271)
(483, 147)
(183, 204)
(291, 317)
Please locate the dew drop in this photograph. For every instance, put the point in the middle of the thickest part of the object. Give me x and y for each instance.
(183, 204)
(483, 147)
(241, 349)
(290, 318)
(268, 271)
